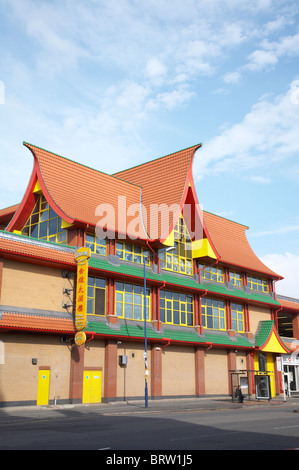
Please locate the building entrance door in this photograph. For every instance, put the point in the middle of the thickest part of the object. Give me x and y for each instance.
(92, 386)
(43, 387)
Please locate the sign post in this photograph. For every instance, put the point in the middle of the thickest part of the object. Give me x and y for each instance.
(81, 256)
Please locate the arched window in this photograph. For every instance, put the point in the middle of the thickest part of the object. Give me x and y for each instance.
(44, 223)
(179, 259)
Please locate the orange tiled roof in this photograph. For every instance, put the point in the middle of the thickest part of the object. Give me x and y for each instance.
(231, 243)
(78, 190)
(288, 304)
(13, 320)
(7, 213)
(163, 181)
(20, 245)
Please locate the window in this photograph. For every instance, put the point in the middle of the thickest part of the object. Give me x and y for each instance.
(235, 278)
(176, 308)
(179, 259)
(258, 284)
(96, 245)
(213, 314)
(96, 296)
(237, 313)
(211, 273)
(44, 223)
(134, 253)
(129, 301)
(262, 360)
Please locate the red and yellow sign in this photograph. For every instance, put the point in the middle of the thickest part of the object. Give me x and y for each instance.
(82, 255)
(80, 338)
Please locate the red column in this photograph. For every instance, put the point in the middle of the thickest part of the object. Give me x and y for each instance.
(156, 371)
(296, 326)
(200, 388)
(76, 373)
(110, 372)
(231, 365)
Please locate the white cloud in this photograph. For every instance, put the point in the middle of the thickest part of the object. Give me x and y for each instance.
(155, 70)
(89, 75)
(260, 179)
(266, 137)
(170, 100)
(283, 229)
(260, 59)
(232, 77)
(270, 52)
(287, 265)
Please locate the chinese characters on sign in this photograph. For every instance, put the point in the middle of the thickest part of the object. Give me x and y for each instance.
(82, 255)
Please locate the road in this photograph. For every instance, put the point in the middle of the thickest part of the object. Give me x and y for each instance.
(251, 428)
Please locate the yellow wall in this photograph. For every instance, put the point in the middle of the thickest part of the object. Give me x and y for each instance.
(216, 372)
(241, 360)
(131, 378)
(257, 314)
(32, 286)
(178, 371)
(19, 377)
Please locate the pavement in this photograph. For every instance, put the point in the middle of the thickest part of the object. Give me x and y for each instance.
(18, 414)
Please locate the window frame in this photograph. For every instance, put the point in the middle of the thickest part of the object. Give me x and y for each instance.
(124, 250)
(174, 260)
(95, 246)
(123, 304)
(92, 298)
(212, 273)
(184, 312)
(237, 317)
(262, 284)
(237, 282)
(43, 217)
(210, 321)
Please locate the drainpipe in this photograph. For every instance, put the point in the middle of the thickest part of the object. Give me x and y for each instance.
(275, 317)
(89, 339)
(147, 242)
(274, 285)
(109, 295)
(167, 344)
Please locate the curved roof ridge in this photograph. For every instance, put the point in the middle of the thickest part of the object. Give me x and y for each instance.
(81, 194)
(226, 218)
(159, 158)
(28, 145)
(231, 241)
(163, 181)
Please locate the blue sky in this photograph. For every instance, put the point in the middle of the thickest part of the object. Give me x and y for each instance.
(115, 83)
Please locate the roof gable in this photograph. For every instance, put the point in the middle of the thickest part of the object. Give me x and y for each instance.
(268, 340)
(164, 183)
(81, 194)
(231, 243)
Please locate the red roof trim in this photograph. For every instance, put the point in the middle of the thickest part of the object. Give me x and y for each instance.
(189, 180)
(45, 191)
(27, 204)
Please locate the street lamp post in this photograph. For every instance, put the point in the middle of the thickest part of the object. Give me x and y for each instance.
(145, 334)
(145, 258)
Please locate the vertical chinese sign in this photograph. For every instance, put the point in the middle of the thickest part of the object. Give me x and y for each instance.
(81, 256)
